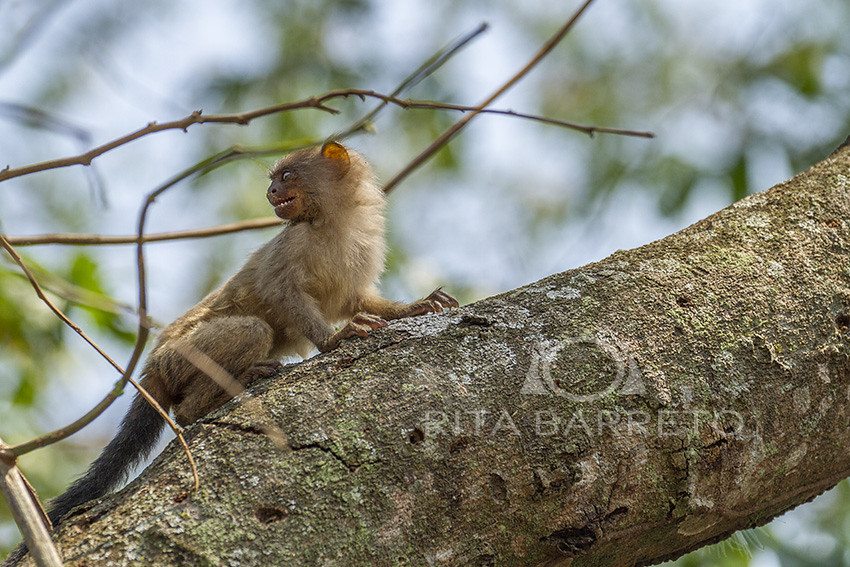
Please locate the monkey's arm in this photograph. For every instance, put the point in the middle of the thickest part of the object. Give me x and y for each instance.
(386, 309)
(305, 316)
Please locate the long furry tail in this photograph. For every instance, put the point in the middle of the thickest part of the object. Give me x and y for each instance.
(136, 438)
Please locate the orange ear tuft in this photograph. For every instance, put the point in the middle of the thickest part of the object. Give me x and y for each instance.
(338, 153)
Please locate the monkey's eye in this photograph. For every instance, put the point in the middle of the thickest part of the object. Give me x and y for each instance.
(285, 175)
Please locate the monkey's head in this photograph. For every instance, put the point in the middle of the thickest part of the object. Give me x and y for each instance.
(306, 184)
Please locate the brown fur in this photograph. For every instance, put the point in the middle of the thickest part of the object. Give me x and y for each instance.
(321, 269)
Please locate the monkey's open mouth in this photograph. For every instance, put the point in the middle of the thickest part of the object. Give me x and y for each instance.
(281, 200)
(284, 207)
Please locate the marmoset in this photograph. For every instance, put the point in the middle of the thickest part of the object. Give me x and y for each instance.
(322, 268)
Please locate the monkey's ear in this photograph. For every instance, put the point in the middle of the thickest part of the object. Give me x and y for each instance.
(337, 152)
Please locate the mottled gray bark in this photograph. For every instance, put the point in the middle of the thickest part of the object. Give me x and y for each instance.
(617, 414)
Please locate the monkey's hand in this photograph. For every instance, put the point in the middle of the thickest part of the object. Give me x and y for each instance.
(434, 303)
(386, 309)
(359, 326)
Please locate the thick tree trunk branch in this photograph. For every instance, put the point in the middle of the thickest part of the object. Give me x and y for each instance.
(618, 414)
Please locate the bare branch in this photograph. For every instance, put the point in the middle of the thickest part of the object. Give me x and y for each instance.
(319, 103)
(98, 239)
(229, 384)
(28, 513)
(427, 68)
(460, 124)
(183, 124)
(117, 390)
(13, 253)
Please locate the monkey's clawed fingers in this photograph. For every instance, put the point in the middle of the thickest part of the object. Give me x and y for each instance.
(362, 323)
(442, 299)
(434, 303)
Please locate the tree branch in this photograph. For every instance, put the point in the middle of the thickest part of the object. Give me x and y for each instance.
(446, 136)
(244, 118)
(27, 512)
(622, 413)
(100, 239)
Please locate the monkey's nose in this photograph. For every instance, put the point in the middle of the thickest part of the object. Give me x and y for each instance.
(272, 190)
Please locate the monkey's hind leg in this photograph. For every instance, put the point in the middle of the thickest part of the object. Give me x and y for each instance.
(241, 346)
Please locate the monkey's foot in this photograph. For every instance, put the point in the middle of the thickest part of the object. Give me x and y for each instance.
(359, 326)
(260, 370)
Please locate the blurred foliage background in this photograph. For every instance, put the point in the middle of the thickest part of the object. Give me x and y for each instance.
(740, 94)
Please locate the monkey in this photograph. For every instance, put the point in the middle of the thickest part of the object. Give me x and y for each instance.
(321, 269)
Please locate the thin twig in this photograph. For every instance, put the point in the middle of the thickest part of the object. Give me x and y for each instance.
(183, 124)
(312, 102)
(589, 130)
(72, 428)
(229, 384)
(460, 124)
(14, 254)
(426, 69)
(473, 111)
(98, 239)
